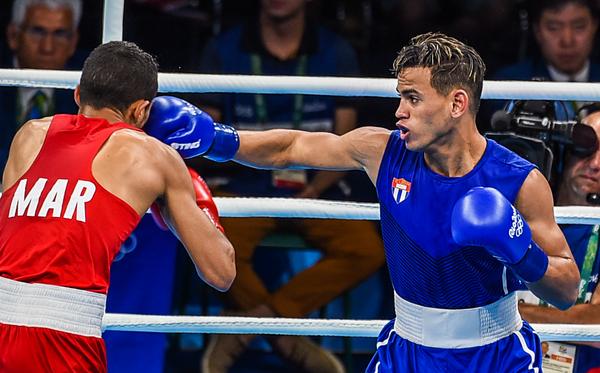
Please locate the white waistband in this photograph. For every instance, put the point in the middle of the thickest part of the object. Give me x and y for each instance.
(457, 328)
(48, 306)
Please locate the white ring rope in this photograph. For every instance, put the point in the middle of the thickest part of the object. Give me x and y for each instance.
(333, 86)
(331, 327)
(238, 207)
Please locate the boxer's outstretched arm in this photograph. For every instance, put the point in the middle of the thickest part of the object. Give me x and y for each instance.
(361, 148)
(561, 281)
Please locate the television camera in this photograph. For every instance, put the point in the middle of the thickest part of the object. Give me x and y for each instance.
(544, 132)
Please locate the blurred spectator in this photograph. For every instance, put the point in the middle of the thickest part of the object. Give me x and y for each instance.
(491, 26)
(42, 34)
(580, 185)
(394, 23)
(564, 31)
(280, 40)
(191, 22)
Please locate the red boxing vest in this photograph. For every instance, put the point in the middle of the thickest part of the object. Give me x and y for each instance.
(58, 225)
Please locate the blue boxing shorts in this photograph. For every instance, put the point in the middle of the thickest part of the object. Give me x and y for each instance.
(518, 352)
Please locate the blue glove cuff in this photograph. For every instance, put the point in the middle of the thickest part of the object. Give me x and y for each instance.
(225, 144)
(532, 267)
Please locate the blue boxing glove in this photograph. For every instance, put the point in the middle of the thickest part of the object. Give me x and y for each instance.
(484, 217)
(126, 247)
(190, 131)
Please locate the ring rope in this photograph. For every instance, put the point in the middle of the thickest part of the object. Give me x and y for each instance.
(237, 207)
(241, 207)
(332, 86)
(320, 327)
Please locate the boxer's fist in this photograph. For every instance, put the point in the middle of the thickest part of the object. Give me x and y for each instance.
(204, 199)
(484, 217)
(189, 130)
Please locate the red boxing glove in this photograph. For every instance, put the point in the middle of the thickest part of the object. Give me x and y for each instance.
(157, 217)
(204, 199)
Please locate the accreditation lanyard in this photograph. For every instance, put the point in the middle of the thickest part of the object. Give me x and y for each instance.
(259, 99)
(588, 264)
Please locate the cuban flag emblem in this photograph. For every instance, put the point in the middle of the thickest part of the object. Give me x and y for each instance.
(400, 189)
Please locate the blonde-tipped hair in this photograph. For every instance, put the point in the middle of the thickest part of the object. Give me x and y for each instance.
(452, 64)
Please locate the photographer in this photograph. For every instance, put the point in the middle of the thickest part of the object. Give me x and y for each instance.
(579, 185)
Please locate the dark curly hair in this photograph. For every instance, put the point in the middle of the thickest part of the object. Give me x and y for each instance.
(117, 74)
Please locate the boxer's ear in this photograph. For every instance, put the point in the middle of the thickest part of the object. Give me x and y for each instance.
(460, 102)
(137, 113)
(77, 96)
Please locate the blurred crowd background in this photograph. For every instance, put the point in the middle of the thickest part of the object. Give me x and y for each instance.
(176, 31)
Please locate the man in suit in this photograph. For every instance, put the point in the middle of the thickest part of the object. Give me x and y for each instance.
(564, 31)
(42, 34)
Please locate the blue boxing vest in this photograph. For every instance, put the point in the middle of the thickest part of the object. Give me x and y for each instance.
(426, 266)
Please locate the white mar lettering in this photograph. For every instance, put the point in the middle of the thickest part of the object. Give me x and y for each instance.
(22, 204)
(84, 191)
(54, 199)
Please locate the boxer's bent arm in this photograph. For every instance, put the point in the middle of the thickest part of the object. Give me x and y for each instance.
(588, 313)
(561, 280)
(209, 249)
(578, 314)
(357, 149)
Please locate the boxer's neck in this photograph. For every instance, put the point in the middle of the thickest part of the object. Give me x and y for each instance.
(458, 153)
(111, 115)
